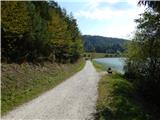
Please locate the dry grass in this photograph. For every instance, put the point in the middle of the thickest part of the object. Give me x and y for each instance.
(21, 83)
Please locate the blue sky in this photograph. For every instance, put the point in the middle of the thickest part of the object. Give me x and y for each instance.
(110, 18)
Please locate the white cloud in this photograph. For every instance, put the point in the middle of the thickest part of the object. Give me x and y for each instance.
(119, 30)
(96, 13)
(107, 14)
(121, 21)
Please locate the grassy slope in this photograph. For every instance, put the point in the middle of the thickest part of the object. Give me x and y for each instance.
(99, 66)
(21, 83)
(116, 99)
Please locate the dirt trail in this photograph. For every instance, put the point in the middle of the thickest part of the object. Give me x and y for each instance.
(73, 99)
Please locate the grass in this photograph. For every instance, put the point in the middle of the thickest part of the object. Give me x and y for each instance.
(116, 99)
(99, 66)
(101, 55)
(21, 83)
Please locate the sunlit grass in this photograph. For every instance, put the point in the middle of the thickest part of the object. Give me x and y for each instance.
(99, 67)
(116, 99)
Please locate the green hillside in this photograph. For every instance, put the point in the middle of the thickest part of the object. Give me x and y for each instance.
(104, 44)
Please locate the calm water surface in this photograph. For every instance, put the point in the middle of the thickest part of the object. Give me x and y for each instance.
(116, 64)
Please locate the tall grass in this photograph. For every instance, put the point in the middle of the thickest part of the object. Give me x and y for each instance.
(21, 83)
(116, 99)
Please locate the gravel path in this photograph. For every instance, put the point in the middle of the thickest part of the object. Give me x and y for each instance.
(75, 99)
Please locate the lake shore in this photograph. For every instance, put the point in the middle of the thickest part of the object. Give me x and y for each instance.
(117, 64)
(116, 99)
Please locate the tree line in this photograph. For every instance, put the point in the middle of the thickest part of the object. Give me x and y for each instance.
(143, 62)
(36, 31)
(104, 44)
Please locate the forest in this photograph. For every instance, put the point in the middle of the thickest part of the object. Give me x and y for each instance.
(143, 56)
(104, 44)
(35, 31)
(41, 47)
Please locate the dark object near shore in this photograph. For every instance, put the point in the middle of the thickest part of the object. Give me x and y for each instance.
(109, 70)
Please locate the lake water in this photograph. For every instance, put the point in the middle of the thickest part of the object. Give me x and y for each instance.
(116, 64)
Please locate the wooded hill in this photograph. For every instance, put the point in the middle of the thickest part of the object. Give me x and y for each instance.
(104, 44)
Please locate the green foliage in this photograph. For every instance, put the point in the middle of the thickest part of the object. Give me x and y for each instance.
(17, 13)
(37, 31)
(143, 62)
(103, 44)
